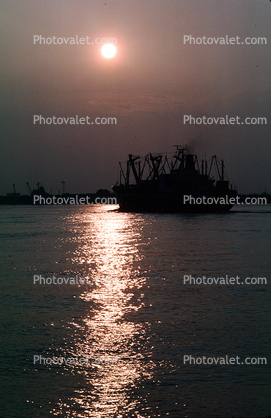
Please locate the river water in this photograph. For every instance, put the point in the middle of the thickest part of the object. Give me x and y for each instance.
(132, 316)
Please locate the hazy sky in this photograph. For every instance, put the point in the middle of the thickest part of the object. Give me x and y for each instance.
(151, 83)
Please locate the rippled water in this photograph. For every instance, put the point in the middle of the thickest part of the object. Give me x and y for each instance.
(135, 319)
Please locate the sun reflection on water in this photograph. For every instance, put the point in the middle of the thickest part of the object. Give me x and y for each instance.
(111, 245)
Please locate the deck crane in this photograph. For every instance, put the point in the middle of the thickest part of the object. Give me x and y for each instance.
(29, 189)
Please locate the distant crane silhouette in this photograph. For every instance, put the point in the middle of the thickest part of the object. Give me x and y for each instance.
(29, 189)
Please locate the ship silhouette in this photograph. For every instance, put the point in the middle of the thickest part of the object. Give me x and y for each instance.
(181, 184)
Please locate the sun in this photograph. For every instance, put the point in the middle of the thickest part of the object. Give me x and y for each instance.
(109, 50)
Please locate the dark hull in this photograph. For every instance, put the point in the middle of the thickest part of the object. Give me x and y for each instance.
(168, 204)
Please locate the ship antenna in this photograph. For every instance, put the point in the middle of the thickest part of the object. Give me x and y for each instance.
(222, 170)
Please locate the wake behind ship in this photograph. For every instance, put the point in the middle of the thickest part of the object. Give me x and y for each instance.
(181, 184)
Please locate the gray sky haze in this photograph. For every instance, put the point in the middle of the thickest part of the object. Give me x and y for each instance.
(148, 86)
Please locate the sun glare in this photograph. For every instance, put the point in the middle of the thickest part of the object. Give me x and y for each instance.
(108, 51)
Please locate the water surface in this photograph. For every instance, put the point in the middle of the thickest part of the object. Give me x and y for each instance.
(135, 319)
